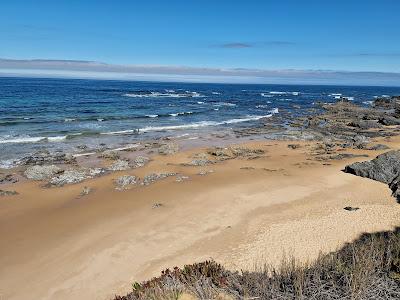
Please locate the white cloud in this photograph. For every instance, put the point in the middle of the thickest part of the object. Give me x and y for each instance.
(91, 69)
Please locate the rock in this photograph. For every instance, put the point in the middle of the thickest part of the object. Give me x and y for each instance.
(8, 178)
(119, 165)
(157, 205)
(341, 156)
(384, 168)
(96, 172)
(8, 193)
(389, 121)
(349, 208)
(42, 172)
(45, 157)
(198, 162)
(180, 178)
(140, 161)
(246, 152)
(387, 102)
(69, 177)
(86, 191)
(377, 147)
(125, 181)
(205, 172)
(112, 155)
(364, 124)
(247, 168)
(294, 146)
(153, 177)
(168, 149)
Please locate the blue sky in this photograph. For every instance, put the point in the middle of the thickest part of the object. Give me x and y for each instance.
(352, 35)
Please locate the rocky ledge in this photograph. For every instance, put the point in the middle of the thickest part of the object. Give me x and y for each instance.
(384, 168)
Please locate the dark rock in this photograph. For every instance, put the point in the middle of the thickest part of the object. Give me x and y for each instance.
(384, 168)
(349, 208)
(377, 147)
(389, 121)
(294, 146)
(364, 124)
(45, 157)
(8, 178)
(387, 102)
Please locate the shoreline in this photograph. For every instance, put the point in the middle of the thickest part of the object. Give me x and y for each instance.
(240, 204)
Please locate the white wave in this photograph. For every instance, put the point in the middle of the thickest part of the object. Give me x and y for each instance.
(56, 138)
(181, 113)
(335, 94)
(202, 124)
(200, 102)
(129, 131)
(337, 97)
(8, 163)
(262, 106)
(266, 95)
(21, 140)
(295, 93)
(164, 95)
(100, 120)
(69, 120)
(278, 93)
(274, 111)
(216, 93)
(225, 104)
(216, 109)
(152, 116)
(368, 102)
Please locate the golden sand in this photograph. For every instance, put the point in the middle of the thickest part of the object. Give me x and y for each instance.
(56, 244)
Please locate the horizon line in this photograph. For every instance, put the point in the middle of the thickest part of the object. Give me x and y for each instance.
(86, 69)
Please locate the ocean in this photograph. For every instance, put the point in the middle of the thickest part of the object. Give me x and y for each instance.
(64, 114)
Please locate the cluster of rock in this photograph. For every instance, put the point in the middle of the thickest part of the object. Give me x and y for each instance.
(168, 149)
(235, 152)
(45, 157)
(8, 193)
(384, 168)
(59, 175)
(127, 181)
(123, 164)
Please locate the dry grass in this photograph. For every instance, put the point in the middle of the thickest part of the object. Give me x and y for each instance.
(368, 268)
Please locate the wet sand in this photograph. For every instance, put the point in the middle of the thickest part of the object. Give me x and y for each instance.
(56, 244)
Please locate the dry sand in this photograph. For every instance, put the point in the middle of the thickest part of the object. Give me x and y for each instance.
(57, 245)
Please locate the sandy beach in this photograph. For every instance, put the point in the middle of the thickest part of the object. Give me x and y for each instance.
(58, 244)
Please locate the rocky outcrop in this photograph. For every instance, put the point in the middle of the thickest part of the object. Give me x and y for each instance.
(384, 168)
(140, 161)
(153, 177)
(8, 193)
(69, 177)
(8, 178)
(45, 157)
(123, 182)
(119, 165)
(168, 149)
(42, 172)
